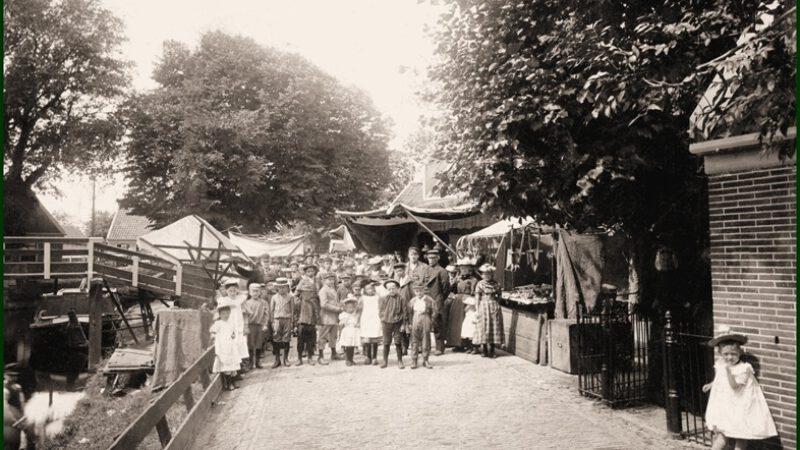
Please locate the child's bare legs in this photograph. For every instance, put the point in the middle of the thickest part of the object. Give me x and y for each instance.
(721, 441)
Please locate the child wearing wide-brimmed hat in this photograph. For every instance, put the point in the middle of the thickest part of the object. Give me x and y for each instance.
(349, 336)
(737, 411)
(227, 359)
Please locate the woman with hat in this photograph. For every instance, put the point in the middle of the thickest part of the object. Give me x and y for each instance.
(489, 331)
(463, 287)
(349, 336)
(370, 322)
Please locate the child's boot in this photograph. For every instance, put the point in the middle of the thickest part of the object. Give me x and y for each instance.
(285, 347)
(399, 350)
(310, 357)
(321, 358)
(414, 360)
(334, 355)
(491, 351)
(485, 350)
(385, 357)
(368, 354)
(258, 359)
(374, 354)
(224, 382)
(277, 353)
(425, 363)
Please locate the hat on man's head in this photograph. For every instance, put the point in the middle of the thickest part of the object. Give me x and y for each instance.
(425, 248)
(413, 249)
(324, 258)
(722, 333)
(282, 281)
(387, 256)
(419, 286)
(388, 282)
(433, 252)
(311, 266)
(345, 275)
(451, 268)
(328, 275)
(399, 266)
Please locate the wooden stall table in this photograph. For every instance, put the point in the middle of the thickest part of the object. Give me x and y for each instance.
(525, 328)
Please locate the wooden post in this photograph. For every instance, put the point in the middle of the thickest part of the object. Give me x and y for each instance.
(178, 279)
(89, 263)
(135, 275)
(674, 426)
(95, 324)
(46, 260)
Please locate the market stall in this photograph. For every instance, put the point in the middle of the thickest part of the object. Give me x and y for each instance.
(522, 252)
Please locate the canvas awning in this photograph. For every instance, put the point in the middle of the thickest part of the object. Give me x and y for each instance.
(284, 246)
(185, 239)
(341, 241)
(393, 229)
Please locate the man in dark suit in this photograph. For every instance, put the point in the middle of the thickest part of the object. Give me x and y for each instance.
(438, 282)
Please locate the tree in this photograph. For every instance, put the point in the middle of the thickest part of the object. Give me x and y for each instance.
(576, 113)
(63, 79)
(102, 223)
(250, 136)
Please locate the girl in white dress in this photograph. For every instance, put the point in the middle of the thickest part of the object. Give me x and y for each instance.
(234, 300)
(370, 324)
(469, 324)
(226, 354)
(737, 410)
(349, 335)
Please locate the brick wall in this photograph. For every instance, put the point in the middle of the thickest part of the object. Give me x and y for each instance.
(754, 263)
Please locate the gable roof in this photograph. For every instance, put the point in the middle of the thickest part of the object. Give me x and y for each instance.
(420, 191)
(71, 231)
(126, 226)
(25, 215)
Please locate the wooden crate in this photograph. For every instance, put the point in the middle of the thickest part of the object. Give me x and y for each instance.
(525, 332)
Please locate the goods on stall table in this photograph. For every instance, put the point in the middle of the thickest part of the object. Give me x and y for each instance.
(530, 294)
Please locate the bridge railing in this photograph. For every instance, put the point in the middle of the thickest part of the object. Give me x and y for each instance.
(155, 416)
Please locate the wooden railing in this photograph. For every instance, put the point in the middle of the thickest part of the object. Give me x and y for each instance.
(155, 416)
(75, 258)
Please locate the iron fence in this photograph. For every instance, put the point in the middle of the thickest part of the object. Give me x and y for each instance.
(692, 365)
(613, 354)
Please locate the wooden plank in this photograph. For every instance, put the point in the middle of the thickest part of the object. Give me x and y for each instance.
(41, 239)
(125, 261)
(178, 280)
(95, 324)
(140, 428)
(41, 275)
(145, 256)
(188, 431)
(162, 427)
(39, 267)
(135, 276)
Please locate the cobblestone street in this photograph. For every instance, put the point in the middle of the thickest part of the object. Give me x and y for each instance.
(465, 402)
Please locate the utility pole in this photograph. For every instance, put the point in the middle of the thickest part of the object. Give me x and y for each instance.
(91, 234)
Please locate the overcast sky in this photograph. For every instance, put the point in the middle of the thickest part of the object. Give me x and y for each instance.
(377, 45)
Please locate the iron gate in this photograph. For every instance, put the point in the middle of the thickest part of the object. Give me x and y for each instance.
(613, 354)
(690, 363)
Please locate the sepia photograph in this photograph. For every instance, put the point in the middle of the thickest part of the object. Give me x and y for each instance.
(399, 224)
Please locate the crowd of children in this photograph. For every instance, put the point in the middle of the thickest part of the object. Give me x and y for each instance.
(356, 303)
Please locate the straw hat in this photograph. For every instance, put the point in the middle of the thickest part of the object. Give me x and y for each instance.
(723, 334)
(282, 281)
(465, 262)
(311, 266)
(350, 299)
(229, 281)
(451, 268)
(486, 268)
(387, 282)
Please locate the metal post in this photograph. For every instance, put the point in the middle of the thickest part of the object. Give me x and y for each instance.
(606, 376)
(673, 401)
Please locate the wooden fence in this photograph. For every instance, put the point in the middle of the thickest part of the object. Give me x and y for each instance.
(155, 415)
(51, 258)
